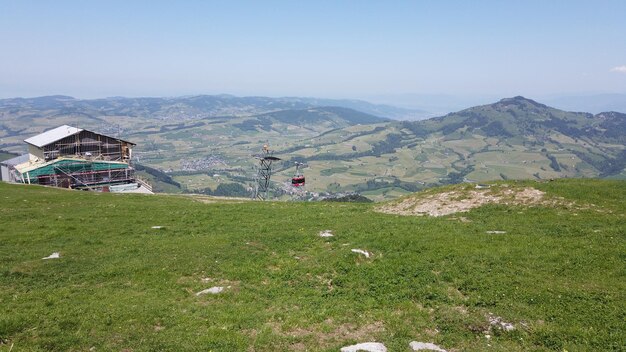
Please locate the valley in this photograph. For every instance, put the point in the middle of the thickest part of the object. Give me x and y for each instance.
(195, 144)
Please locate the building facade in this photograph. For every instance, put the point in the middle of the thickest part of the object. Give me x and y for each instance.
(75, 158)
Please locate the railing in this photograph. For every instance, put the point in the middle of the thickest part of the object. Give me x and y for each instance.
(79, 181)
(14, 175)
(144, 183)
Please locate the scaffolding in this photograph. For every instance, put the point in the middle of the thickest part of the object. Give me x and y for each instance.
(89, 145)
(81, 174)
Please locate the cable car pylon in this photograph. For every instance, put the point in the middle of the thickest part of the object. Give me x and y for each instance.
(264, 172)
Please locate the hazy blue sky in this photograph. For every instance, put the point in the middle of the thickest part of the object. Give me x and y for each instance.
(311, 48)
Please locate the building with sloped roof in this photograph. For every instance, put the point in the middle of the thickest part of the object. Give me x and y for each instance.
(76, 158)
(65, 141)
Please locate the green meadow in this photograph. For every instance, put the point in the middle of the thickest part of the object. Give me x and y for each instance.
(557, 274)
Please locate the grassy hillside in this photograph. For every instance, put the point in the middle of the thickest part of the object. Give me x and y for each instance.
(557, 273)
(515, 138)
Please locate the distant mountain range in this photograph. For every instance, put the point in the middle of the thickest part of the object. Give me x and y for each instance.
(201, 106)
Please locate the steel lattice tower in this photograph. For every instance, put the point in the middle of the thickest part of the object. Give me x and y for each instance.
(264, 173)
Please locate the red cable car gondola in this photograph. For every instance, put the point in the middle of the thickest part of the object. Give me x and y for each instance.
(298, 179)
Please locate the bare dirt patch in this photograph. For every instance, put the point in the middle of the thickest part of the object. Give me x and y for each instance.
(328, 332)
(216, 199)
(464, 199)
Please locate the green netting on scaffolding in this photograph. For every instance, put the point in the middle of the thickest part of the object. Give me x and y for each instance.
(73, 166)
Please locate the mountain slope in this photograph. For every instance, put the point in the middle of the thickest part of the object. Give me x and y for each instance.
(515, 138)
(521, 117)
(320, 120)
(342, 117)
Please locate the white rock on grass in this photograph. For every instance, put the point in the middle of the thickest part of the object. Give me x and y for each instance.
(158, 227)
(365, 346)
(495, 232)
(213, 290)
(360, 251)
(499, 323)
(425, 346)
(55, 255)
(326, 233)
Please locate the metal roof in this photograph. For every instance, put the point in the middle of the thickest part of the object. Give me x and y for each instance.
(16, 161)
(59, 133)
(52, 135)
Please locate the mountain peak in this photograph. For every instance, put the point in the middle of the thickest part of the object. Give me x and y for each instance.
(517, 100)
(612, 114)
(516, 116)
